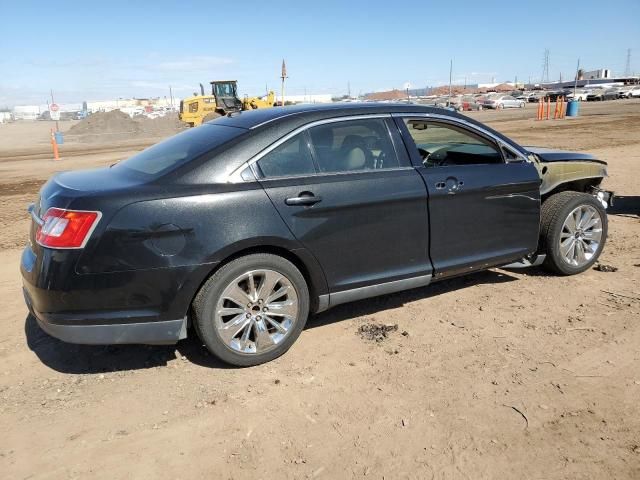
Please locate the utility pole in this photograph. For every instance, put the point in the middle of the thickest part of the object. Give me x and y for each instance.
(349, 89)
(627, 68)
(171, 96)
(450, 80)
(283, 76)
(575, 83)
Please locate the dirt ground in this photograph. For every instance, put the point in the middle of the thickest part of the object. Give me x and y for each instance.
(502, 374)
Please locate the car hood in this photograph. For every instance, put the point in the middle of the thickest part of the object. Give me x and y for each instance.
(550, 155)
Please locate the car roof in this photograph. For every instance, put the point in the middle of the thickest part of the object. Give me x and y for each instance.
(311, 112)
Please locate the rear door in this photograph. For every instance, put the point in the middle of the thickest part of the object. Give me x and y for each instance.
(484, 199)
(352, 199)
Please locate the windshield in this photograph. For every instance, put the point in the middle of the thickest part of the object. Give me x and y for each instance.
(224, 90)
(179, 149)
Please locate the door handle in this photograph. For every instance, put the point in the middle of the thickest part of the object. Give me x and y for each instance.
(303, 198)
(452, 184)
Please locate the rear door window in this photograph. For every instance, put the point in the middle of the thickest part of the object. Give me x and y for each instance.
(291, 158)
(353, 145)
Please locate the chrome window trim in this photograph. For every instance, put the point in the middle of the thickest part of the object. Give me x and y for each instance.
(501, 143)
(235, 177)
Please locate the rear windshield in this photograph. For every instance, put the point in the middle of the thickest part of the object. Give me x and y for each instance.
(179, 149)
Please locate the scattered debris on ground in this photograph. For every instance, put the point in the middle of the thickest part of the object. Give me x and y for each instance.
(603, 267)
(376, 332)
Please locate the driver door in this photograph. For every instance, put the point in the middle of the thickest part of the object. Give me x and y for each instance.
(484, 211)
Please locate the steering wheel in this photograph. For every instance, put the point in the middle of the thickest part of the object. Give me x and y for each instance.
(424, 154)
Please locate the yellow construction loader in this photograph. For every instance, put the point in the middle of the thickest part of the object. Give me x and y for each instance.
(223, 99)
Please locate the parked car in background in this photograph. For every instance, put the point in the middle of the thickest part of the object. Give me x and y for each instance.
(580, 95)
(499, 102)
(602, 94)
(629, 92)
(535, 97)
(245, 225)
(524, 96)
(470, 103)
(554, 95)
(454, 103)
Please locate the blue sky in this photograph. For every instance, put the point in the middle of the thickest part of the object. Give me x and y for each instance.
(100, 50)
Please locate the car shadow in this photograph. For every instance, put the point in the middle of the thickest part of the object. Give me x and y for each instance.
(625, 205)
(96, 359)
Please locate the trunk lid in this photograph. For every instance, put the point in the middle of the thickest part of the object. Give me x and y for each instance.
(82, 190)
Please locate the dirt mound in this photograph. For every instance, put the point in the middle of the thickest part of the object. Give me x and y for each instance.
(107, 127)
(390, 95)
(102, 123)
(162, 126)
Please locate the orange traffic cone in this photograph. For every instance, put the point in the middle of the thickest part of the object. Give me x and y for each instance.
(54, 145)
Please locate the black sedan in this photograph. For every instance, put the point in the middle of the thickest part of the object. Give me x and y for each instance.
(243, 226)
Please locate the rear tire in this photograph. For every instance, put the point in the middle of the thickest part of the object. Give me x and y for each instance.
(573, 232)
(263, 328)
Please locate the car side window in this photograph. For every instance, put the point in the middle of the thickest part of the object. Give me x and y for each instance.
(353, 145)
(288, 159)
(441, 144)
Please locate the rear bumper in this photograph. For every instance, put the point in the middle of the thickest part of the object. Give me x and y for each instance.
(69, 328)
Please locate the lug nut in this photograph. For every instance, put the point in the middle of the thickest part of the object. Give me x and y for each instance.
(260, 301)
(248, 315)
(248, 305)
(264, 309)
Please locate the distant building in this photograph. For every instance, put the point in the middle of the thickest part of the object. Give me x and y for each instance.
(594, 74)
(26, 112)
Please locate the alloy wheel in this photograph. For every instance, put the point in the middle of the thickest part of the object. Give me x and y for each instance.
(256, 311)
(581, 235)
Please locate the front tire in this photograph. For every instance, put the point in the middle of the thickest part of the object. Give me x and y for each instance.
(252, 310)
(573, 231)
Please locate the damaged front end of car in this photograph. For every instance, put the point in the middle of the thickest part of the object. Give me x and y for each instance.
(562, 170)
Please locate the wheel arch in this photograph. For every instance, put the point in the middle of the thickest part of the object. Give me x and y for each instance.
(300, 257)
(583, 185)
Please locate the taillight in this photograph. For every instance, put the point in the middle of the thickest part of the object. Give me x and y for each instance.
(66, 228)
